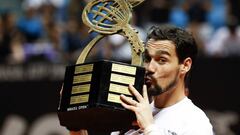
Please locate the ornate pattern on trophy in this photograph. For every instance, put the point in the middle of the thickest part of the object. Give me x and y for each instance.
(110, 17)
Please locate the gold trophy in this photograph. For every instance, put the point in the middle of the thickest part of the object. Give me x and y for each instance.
(91, 93)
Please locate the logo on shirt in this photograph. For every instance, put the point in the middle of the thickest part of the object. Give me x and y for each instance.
(172, 133)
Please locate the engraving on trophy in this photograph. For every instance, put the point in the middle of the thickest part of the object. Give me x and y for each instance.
(79, 99)
(80, 88)
(114, 98)
(122, 79)
(82, 78)
(124, 69)
(83, 68)
(121, 89)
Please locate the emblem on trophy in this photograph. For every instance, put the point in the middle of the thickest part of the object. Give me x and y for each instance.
(91, 92)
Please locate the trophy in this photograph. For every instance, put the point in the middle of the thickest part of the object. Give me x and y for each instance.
(91, 92)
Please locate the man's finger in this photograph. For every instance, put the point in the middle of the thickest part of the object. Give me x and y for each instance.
(128, 103)
(128, 100)
(129, 107)
(135, 93)
(145, 94)
(81, 132)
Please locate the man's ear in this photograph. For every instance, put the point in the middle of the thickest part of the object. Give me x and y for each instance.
(186, 65)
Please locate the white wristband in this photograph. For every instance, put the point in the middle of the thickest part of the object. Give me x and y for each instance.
(149, 129)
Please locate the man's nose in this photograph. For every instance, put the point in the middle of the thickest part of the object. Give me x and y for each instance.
(151, 66)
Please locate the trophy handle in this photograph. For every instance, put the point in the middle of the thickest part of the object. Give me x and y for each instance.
(87, 49)
(136, 57)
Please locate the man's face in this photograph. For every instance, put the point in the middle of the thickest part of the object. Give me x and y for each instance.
(162, 66)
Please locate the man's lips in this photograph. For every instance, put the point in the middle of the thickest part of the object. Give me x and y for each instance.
(148, 81)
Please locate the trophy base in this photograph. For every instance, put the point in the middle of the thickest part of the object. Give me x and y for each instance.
(91, 95)
(97, 119)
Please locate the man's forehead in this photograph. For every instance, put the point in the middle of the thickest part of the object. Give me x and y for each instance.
(153, 42)
(160, 44)
(157, 52)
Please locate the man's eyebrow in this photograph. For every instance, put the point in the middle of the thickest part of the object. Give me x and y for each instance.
(162, 52)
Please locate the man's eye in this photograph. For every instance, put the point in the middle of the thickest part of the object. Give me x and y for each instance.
(147, 58)
(162, 60)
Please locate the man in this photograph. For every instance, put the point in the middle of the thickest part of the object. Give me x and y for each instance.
(168, 58)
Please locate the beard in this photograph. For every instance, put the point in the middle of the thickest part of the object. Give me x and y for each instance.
(157, 89)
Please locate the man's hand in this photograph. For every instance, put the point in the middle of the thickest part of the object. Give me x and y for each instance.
(81, 132)
(141, 107)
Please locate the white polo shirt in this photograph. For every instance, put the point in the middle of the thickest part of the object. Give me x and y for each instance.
(182, 118)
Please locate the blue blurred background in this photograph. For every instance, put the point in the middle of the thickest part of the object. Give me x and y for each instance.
(39, 38)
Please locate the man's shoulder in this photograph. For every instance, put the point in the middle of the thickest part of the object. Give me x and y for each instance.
(184, 117)
(196, 117)
(193, 111)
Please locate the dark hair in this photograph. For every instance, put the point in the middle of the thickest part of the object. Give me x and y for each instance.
(184, 41)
